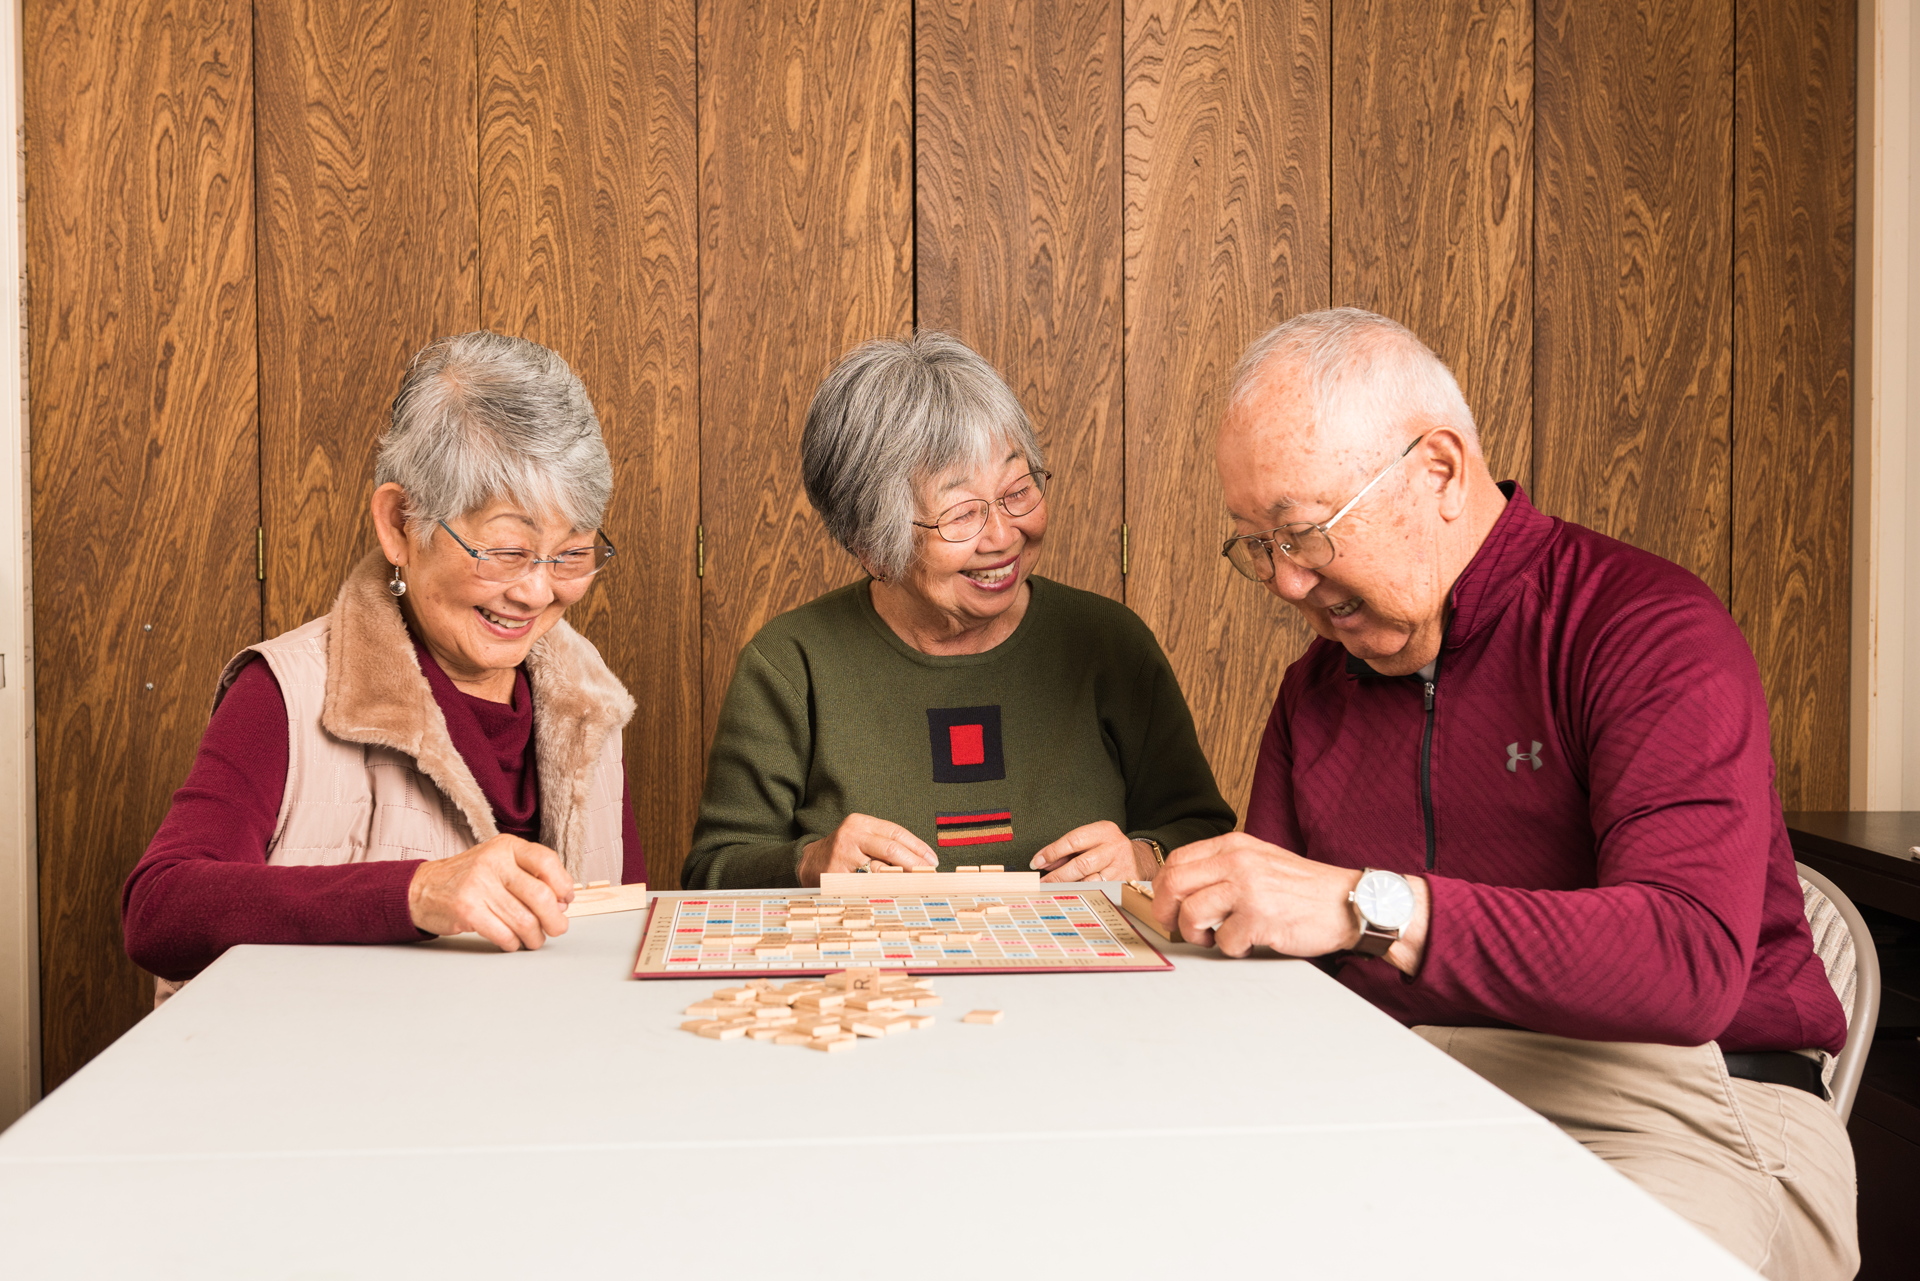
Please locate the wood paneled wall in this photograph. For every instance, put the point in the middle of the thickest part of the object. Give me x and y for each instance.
(1629, 229)
(143, 380)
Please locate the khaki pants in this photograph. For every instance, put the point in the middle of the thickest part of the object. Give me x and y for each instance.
(1765, 1170)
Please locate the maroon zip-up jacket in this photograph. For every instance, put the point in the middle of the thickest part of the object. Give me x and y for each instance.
(1586, 784)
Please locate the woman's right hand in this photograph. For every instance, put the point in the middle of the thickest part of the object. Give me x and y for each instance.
(510, 892)
(859, 840)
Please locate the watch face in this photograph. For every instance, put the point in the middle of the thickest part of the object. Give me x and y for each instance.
(1385, 900)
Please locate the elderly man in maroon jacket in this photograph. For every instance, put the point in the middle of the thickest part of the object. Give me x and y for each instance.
(1520, 789)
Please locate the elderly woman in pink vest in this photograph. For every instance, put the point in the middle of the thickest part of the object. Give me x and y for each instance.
(440, 753)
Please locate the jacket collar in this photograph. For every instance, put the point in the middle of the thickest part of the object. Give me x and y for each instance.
(377, 694)
(1516, 542)
(1518, 538)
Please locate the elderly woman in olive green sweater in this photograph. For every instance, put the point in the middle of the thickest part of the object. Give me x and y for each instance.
(952, 707)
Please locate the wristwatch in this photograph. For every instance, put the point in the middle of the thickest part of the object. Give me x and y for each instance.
(1159, 850)
(1384, 903)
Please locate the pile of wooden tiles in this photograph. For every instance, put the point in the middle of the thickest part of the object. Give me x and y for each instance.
(808, 926)
(829, 1014)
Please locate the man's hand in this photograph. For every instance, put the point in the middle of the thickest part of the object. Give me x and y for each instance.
(1102, 852)
(1236, 893)
(859, 840)
(510, 892)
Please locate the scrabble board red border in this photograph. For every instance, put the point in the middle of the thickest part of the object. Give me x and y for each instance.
(1143, 956)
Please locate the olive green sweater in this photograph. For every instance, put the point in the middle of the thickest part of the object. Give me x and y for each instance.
(987, 757)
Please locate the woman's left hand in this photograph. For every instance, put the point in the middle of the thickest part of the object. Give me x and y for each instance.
(1102, 853)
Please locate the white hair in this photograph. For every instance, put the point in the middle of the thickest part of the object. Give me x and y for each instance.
(893, 414)
(483, 416)
(1361, 372)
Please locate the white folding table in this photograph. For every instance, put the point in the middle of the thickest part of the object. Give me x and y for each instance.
(443, 1109)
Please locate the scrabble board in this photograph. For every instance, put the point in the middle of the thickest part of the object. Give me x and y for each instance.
(767, 933)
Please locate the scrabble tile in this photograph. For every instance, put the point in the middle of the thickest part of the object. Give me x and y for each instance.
(833, 1045)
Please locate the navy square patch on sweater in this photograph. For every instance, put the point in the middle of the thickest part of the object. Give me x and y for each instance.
(966, 744)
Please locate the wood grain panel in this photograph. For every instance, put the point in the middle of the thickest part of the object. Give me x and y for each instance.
(1633, 261)
(1792, 378)
(368, 241)
(145, 474)
(1433, 193)
(588, 201)
(806, 191)
(1018, 236)
(1226, 235)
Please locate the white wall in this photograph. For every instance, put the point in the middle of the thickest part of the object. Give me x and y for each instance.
(19, 898)
(1909, 794)
(1886, 580)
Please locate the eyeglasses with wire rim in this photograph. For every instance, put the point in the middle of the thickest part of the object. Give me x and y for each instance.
(963, 521)
(511, 564)
(1307, 545)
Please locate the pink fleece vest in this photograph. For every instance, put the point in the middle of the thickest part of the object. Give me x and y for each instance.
(373, 773)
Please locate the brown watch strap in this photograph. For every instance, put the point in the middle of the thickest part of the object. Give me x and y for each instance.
(1374, 942)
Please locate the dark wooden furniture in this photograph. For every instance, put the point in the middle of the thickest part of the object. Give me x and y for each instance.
(1885, 1129)
(1865, 854)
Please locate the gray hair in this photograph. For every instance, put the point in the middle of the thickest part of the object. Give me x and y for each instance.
(893, 414)
(483, 416)
(1358, 368)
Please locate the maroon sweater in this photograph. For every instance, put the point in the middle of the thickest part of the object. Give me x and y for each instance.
(1590, 800)
(204, 883)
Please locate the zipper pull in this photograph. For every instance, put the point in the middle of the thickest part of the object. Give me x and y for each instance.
(1429, 695)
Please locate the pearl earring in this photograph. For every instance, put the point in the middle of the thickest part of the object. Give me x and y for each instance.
(397, 585)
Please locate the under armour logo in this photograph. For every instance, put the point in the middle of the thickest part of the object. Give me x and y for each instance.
(1515, 756)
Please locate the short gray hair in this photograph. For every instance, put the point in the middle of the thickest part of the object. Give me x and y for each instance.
(483, 416)
(1357, 363)
(894, 413)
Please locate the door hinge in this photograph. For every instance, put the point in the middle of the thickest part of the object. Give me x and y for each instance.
(1123, 550)
(699, 551)
(259, 554)
(3, 671)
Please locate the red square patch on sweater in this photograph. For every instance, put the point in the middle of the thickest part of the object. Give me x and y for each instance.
(968, 744)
